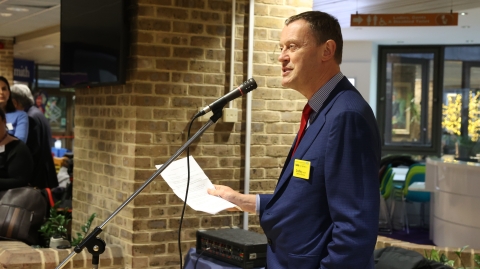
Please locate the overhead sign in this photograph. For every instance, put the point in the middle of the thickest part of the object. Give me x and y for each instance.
(416, 19)
(23, 70)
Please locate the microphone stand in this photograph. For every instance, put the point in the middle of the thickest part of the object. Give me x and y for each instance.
(96, 245)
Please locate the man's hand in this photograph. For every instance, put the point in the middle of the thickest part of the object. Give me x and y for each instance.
(246, 202)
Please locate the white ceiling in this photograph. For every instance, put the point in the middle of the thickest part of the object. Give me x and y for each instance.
(35, 31)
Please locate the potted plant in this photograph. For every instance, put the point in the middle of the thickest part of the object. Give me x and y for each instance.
(56, 230)
(464, 148)
(56, 226)
(435, 256)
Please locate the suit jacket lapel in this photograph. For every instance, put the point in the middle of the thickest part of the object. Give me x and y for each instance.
(310, 134)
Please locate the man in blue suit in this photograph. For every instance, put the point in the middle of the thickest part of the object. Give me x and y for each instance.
(324, 211)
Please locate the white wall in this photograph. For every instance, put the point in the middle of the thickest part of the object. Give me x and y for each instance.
(360, 62)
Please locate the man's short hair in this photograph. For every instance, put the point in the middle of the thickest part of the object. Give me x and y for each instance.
(324, 27)
(22, 94)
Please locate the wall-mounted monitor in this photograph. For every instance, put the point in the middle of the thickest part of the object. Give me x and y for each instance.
(94, 43)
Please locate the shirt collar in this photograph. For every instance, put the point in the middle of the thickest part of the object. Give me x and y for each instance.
(322, 94)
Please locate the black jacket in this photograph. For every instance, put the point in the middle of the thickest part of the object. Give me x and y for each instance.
(39, 143)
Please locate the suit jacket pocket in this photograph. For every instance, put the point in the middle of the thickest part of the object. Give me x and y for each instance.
(303, 261)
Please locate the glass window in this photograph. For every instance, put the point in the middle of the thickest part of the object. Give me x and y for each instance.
(55, 112)
(48, 76)
(406, 100)
(461, 102)
(56, 104)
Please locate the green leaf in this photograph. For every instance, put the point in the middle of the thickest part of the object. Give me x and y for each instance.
(459, 254)
(84, 228)
(443, 258)
(426, 254)
(476, 258)
(435, 256)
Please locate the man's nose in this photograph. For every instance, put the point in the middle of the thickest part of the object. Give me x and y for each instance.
(283, 56)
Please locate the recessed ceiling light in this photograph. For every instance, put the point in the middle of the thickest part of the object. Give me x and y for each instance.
(18, 9)
(463, 13)
(5, 14)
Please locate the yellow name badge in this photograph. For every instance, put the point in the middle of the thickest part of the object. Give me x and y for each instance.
(301, 169)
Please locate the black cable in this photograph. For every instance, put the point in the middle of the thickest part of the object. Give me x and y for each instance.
(198, 258)
(186, 195)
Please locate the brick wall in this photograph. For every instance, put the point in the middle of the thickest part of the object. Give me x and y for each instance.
(6, 59)
(179, 62)
(14, 254)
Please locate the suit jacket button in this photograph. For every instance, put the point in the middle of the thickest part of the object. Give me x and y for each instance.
(269, 241)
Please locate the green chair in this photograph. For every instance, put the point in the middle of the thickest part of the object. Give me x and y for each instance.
(386, 187)
(416, 173)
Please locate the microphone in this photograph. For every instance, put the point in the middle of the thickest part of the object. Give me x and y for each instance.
(246, 87)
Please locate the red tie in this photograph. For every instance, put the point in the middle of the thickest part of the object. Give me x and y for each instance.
(305, 116)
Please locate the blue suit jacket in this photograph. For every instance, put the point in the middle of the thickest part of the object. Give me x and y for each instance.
(331, 219)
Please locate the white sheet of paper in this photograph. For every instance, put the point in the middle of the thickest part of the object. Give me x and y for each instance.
(176, 177)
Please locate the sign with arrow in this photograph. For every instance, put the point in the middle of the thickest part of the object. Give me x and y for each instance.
(414, 19)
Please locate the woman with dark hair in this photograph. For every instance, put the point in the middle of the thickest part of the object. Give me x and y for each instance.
(17, 121)
(16, 164)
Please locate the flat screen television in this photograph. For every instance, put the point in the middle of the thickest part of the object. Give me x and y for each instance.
(93, 42)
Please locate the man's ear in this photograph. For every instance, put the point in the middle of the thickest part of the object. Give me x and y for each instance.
(329, 50)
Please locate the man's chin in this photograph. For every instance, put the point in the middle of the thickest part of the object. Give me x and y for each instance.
(286, 83)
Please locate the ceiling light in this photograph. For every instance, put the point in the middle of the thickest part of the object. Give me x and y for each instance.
(5, 14)
(49, 46)
(18, 9)
(463, 13)
(466, 26)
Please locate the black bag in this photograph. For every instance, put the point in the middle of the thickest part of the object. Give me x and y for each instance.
(22, 212)
(400, 258)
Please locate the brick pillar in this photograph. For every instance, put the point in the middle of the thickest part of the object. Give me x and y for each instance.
(6, 59)
(179, 62)
(276, 111)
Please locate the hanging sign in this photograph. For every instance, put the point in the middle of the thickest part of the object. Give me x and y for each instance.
(23, 70)
(415, 19)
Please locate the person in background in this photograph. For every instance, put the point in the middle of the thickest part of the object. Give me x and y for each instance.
(16, 164)
(325, 208)
(39, 138)
(39, 103)
(17, 121)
